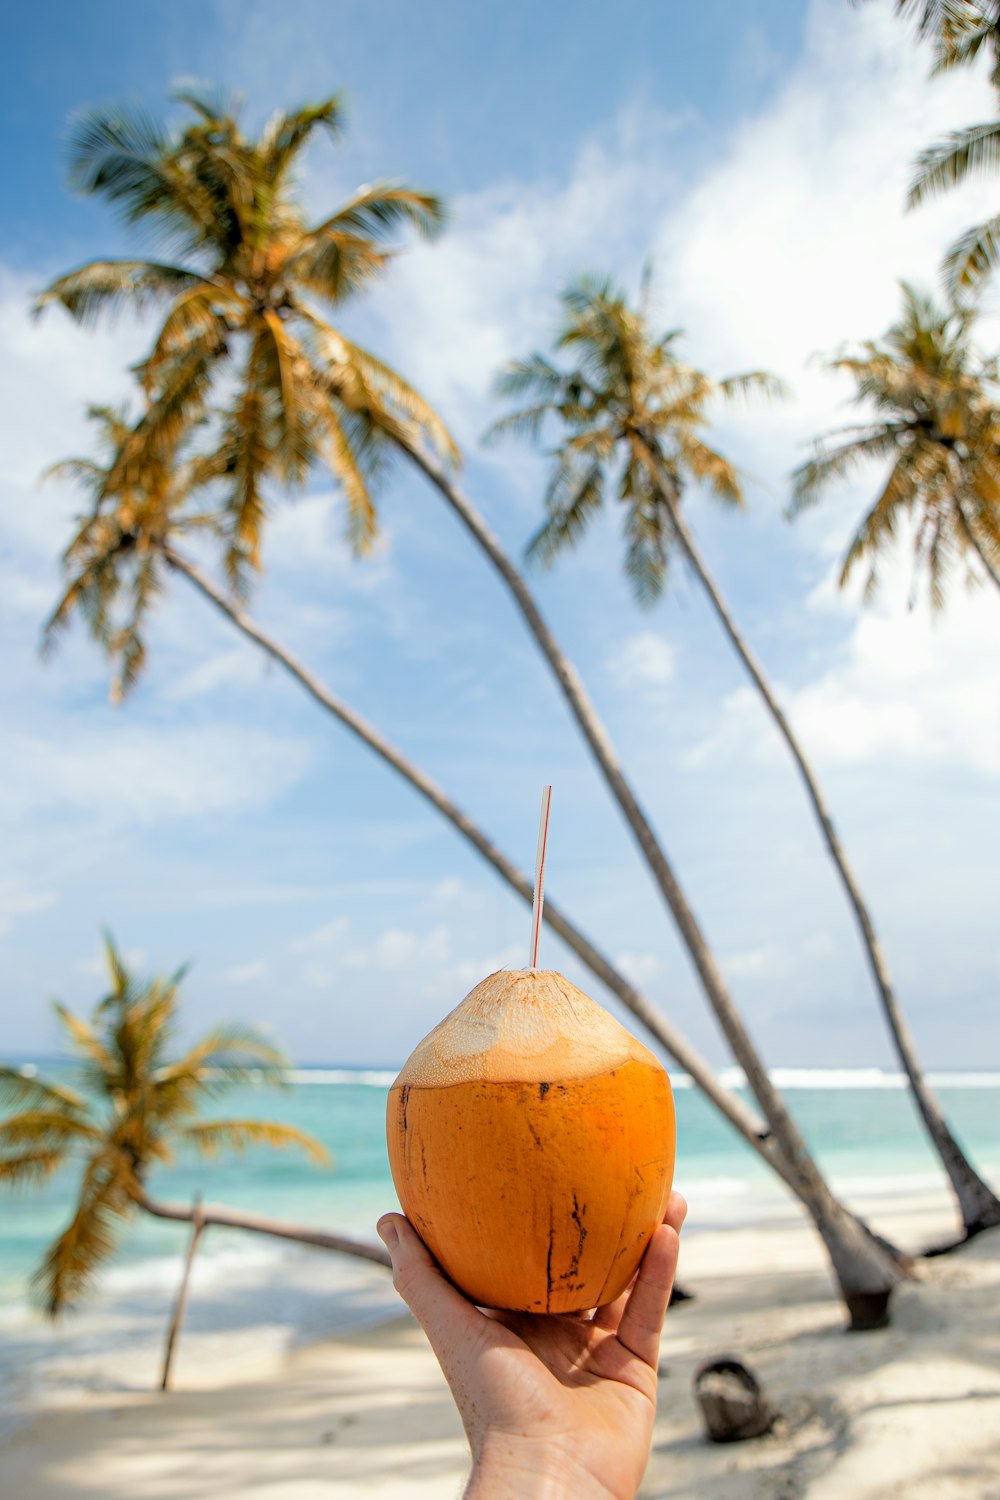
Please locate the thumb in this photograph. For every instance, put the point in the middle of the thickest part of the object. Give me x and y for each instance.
(440, 1309)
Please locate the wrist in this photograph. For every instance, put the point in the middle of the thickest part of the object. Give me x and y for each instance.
(512, 1468)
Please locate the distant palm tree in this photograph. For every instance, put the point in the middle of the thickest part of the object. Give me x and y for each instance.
(136, 1105)
(935, 404)
(243, 288)
(633, 415)
(960, 31)
(109, 562)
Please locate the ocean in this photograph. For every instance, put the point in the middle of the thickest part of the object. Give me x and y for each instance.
(252, 1297)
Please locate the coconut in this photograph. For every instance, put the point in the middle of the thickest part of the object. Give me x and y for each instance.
(531, 1141)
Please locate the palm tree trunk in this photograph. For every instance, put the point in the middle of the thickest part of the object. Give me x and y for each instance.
(980, 1208)
(227, 1218)
(753, 1131)
(865, 1273)
(977, 546)
(197, 1230)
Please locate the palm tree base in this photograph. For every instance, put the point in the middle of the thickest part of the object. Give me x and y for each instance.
(867, 1310)
(969, 1233)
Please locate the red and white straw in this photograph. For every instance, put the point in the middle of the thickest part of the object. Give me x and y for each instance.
(536, 908)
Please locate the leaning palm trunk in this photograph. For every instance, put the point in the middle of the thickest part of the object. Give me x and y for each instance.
(979, 1205)
(227, 1218)
(865, 1273)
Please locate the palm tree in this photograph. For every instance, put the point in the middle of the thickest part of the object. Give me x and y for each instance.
(107, 579)
(253, 276)
(632, 414)
(243, 283)
(135, 1106)
(936, 403)
(960, 31)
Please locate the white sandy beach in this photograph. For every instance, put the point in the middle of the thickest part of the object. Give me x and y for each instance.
(913, 1410)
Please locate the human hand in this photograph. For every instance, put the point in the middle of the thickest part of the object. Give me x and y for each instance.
(553, 1406)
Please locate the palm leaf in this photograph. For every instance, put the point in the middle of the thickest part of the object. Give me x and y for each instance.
(209, 1135)
(382, 207)
(91, 1237)
(105, 285)
(574, 497)
(972, 258)
(30, 1168)
(755, 383)
(286, 134)
(51, 1128)
(88, 1044)
(962, 154)
(21, 1089)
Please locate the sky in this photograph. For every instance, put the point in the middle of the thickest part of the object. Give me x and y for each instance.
(759, 164)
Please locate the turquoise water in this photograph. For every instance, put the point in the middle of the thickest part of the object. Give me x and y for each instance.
(252, 1294)
(864, 1135)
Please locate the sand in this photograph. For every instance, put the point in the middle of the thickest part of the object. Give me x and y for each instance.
(913, 1410)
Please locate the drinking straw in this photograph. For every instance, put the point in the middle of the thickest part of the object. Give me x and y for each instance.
(536, 907)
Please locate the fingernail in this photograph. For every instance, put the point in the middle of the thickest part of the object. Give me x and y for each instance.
(388, 1234)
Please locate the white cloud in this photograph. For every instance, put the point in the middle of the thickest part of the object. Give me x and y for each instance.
(146, 773)
(641, 968)
(905, 688)
(644, 660)
(487, 289)
(398, 949)
(766, 961)
(329, 935)
(240, 667)
(254, 972)
(20, 900)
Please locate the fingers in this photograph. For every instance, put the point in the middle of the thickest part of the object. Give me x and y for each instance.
(641, 1321)
(610, 1315)
(441, 1310)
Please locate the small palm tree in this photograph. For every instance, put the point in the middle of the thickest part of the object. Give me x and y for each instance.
(243, 291)
(632, 415)
(135, 1106)
(935, 403)
(960, 31)
(630, 408)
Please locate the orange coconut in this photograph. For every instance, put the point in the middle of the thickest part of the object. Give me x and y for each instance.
(531, 1141)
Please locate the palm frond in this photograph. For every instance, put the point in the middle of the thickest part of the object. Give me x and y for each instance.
(646, 551)
(103, 286)
(382, 207)
(236, 1054)
(45, 1127)
(23, 1090)
(755, 383)
(962, 154)
(285, 134)
(30, 1168)
(92, 1235)
(362, 521)
(573, 498)
(209, 1135)
(526, 423)
(972, 258)
(88, 1044)
(534, 376)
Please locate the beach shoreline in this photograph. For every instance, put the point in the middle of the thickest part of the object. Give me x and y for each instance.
(911, 1409)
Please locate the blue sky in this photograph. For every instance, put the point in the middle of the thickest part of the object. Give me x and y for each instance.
(219, 817)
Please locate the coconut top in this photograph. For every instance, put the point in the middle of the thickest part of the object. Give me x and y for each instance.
(522, 1026)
